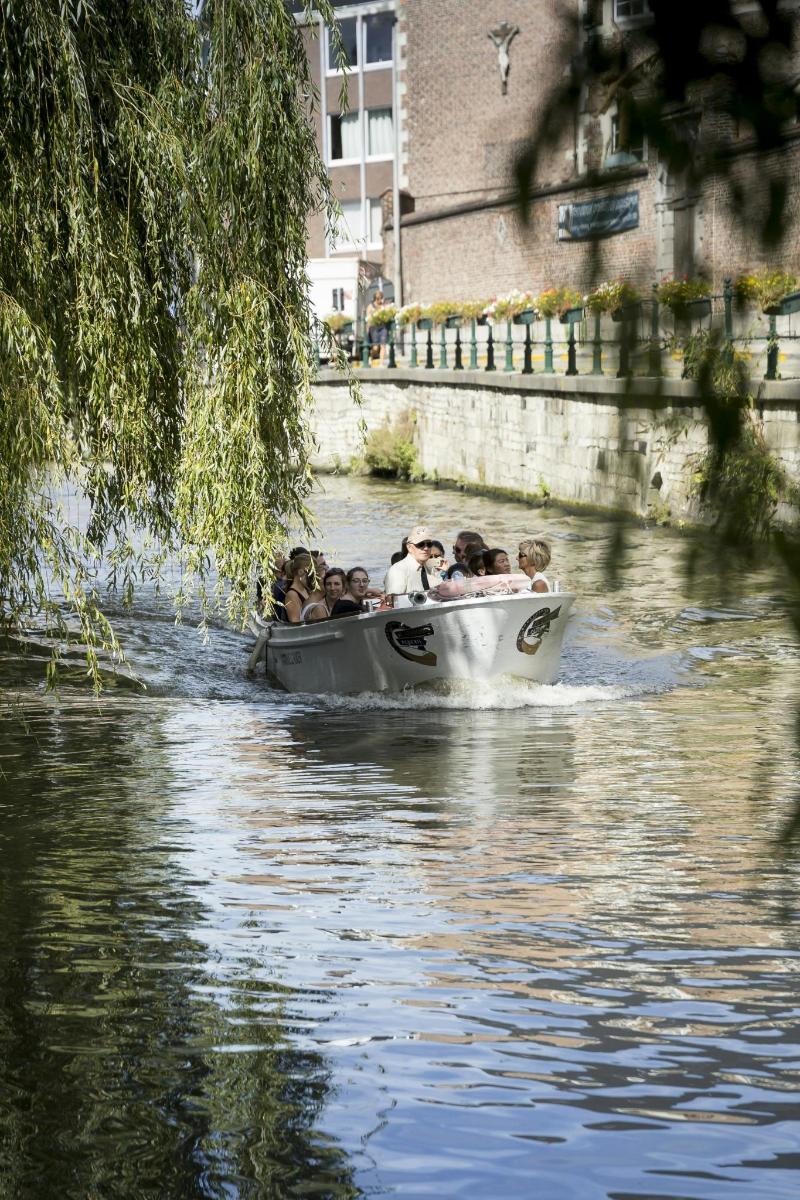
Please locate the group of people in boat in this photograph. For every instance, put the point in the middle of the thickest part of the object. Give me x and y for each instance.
(305, 589)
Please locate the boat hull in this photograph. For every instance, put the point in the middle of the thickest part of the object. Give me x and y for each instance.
(519, 636)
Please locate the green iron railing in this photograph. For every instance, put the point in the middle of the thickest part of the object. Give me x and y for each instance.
(648, 340)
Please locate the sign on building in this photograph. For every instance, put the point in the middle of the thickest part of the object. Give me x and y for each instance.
(598, 218)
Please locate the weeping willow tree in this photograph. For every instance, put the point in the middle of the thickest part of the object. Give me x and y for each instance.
(157, 169)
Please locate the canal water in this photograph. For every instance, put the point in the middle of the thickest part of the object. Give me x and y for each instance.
(507, 942)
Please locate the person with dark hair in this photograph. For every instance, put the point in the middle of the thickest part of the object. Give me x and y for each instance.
(471, 550)
(401, 553)
(476, 564)
(354, 599)
(334, 583)
(467, 537)
(437, 564)
(497, 562)
(458, 570)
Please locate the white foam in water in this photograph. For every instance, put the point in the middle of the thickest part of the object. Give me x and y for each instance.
(464, 694)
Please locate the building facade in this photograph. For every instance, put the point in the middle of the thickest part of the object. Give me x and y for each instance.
(469, 84)
(355, 125)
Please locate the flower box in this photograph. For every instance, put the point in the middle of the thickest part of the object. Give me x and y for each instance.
(628, 312)
(692, 309)
(783, 308)
(570, 315)
(345, 328)
(483, 320)
(453, 322)
(425, 323)
(526, 317)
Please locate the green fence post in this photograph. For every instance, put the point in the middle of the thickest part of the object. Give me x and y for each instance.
(624, 368)
(509, 348)
(443, 347)
(413, 359)
(527, 360)
(489, 349)
(429, 351)
(597, 348)
(655, 334)
(772, 350)
(473, 345)
(548, 346)
(392, 360)
(572, 362)
(458, 365)
(365, 345)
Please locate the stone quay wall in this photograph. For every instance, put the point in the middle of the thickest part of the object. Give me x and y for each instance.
(620, 445)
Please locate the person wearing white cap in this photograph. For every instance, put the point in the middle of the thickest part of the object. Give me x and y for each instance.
(409, 574)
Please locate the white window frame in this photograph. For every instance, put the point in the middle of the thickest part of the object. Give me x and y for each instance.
(632, 20)
(343, 14)
(388, 63)
(333, 71)
(612, 138)
(347, 247)
(372, 245)
(341, 162)
(374, 158)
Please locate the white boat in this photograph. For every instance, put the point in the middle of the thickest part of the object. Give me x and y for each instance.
(476, 637)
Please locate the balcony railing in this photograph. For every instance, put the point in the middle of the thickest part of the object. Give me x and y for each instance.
(645, 339)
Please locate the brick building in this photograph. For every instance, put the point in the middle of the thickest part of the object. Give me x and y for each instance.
(356, 136)
(467, 84)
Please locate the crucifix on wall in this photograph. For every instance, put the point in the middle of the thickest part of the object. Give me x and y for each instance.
(502, 38)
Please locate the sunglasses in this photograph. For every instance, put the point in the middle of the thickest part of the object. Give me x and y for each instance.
(422, 545)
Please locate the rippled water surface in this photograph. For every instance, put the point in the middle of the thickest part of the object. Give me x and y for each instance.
(505, 942)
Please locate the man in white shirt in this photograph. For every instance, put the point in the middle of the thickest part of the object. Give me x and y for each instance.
(409, 574)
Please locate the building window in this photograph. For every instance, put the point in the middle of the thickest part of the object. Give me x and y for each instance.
(375, 222)
(380, 135)
(348, 30)
(624, 10)
(345, 137)
(350, 228)
(378, 37)
(338, 300)
(635, 147)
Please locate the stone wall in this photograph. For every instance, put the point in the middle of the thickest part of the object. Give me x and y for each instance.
(609, 443)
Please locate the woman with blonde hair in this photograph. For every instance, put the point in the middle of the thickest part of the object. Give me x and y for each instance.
(533, 557)
(302, 589)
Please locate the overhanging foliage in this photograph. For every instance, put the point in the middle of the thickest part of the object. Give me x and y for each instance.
(156, 174)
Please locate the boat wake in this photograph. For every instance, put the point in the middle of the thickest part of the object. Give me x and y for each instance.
(470, 695)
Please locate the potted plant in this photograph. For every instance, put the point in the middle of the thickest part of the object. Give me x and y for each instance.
(685, 297)
(562, 302)
(616, 296)
(510, 307)
(339, 322)
(445, 312)
(775, 292)
(382, 316)
(409, 314)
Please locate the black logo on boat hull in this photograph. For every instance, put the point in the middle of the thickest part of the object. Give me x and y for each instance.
(410, 642)
(529, 638)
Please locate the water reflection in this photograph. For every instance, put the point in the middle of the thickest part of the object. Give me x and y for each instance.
(504, 942)
(133, 1059)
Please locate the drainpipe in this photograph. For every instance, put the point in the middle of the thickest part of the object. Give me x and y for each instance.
(398, 261)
